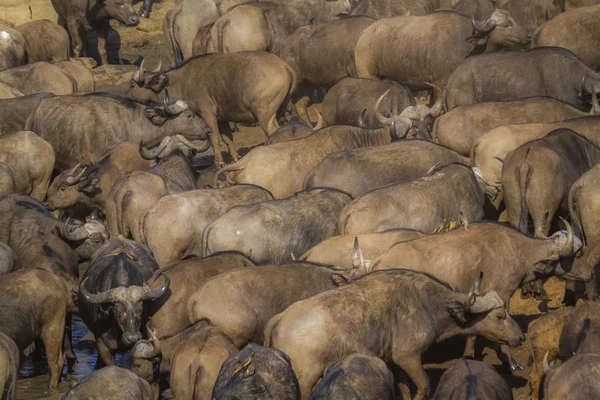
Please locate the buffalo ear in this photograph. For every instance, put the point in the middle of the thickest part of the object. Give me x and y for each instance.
(544, 267)
(340, 279)
(457, 310)
(155, 116)
(88, 186)
(478, 40)
(158, 82)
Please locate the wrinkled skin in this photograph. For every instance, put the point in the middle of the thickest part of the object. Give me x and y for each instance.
(6, 259)
(383, 298)
(581, 331)
(14, 112)
(578, 378)
(257, 372)
(263, 85)
(356, 376)
(461, 128)
(472, 378)
(304, 220)
(40, 77)
(360, 170)
(31, 160)
(173, 227)
(281, 168)
(9, 367)
(241, 302)
(94, 15)
(83, 76)
(338, 250)
(93, 182)
(110, 382)
(77, 140)
(45, 41)
(447, 193)
(525, 70)
(12, 48)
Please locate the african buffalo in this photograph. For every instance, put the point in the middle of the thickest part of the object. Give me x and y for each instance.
(173, 227)
(9, 367)
(90, 184)
(112, 119)
(531, 14)
(460, 128)
(40, 77)
(506, 76)
(257, 372)
(112, 294)
(192, 358)
(339, 250)
(303, 221)
(263, 84)
(6, 259)
(45, 40)
(322, 54)
(89, 16)
(432, 46)
(7, 180)
(241, 302)
(12, 48)
(82, 75)
(581, 331)
(574, 30)
(447, 193)
(470, 379)
(578, 378)
(281, 168)
(169, 314)
(14, 112)
(356, 376)
(295, 128)
(31, 161)
(360, 170)
(132, 195)
(111, 382)
(410, 309)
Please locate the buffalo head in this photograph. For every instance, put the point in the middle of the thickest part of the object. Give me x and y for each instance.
(171, 144)
(85, 238)
(126, 304)
(121, 10)
(500, 31)
(146, 356)
(71, 187)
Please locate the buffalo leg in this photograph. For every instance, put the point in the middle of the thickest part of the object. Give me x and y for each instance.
(52, 336)
(569, 298)
(76, 42)
(412, 365)
(215, 138)
(105, 356)
(227, 137)
(103, 30)
(507, 360)
(146, 8)
(470, 348)
(301, 101)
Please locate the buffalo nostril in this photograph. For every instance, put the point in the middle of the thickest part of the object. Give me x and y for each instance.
(529, 35)
(522, 337)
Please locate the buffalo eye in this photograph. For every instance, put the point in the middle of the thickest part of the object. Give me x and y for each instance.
(63, 188)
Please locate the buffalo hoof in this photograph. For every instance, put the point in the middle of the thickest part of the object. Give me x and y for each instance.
(514, 367)
(542, 295)
(526, 295)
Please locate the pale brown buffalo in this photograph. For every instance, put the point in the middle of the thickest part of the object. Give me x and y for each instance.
(45, 41)
(39, 77)
(9, 367)
(578, 378)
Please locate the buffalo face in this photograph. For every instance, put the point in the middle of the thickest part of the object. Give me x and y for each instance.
(500, 327)
(501, 30)
(66, 189)
(122, 11)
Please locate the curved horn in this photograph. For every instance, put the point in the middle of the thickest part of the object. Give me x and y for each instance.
(140, 75)
(437, 107)
(71, 180)
(545, 365)
(361, 118)
(199, 149)
(358, 260)
(98, 298)
(154, 340)
(320, 122)
(475, 24)
(153, 294)
(166, 103)
(158, 68)
(567, 249)
(383, 120)
(145, 153)
(487, 302)
(78, 234)
(595, 105)
(273, 125)
(474, 290)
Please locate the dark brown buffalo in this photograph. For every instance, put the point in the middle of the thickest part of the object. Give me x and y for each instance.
(581, 331)
(433, 56)
(89, 16)
(257, 372)
(173, 227)
(6, 259)
(584, 210)
(370, 103)
(191, 358)
(578, 378)
(241, 302)
(341, 250)
(391, 8)
(293, 129)
(506, 76)
(574, 30)
(459, 256)
(9, 367)
(470, 379)
(322, 54)
(25, 319)
(110, 383)
(112, 294)
(543, 335)
(14, 112)
(303, 221)
(282, 168)
(360, 170)
(447, 193)
(31, 161)
(356, 376)
(12, 47)
(537, 178)
(411, 310)
(263, 84)
(134, 194)
(111, 119)
(40, 77)
(460, 128)
(90, 184)
(169, 314)
(45, 41)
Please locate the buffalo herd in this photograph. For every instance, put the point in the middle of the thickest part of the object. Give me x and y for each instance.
(425, 162)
